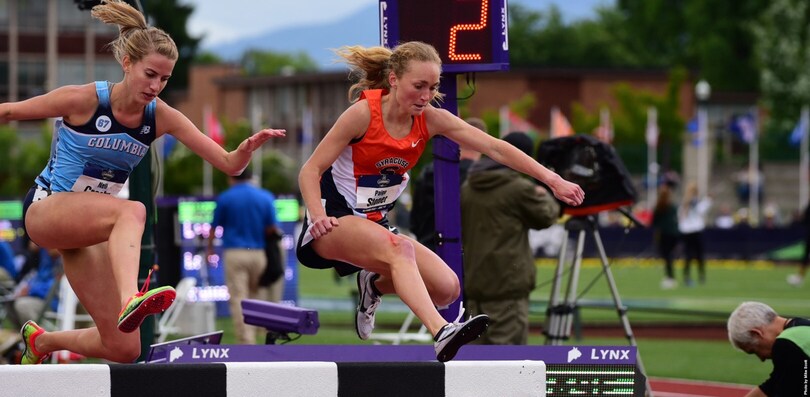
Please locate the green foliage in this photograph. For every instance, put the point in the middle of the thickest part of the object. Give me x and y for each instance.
(630, 120)
(8, 174)
(713, 37)
(172, 16)
(184, 169)
(207, 58)
(782, 38)
(259, 63)
(22, 160)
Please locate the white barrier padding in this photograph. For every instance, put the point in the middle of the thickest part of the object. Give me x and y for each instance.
(79, 380)
(495, 378)
(304, 379)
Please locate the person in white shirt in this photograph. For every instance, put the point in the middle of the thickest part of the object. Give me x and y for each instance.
(691, 223)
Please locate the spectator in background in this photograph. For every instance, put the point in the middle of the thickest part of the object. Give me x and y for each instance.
(423, 212)
(8, 271)
(32, 292)
(746, 184)
(755, 328)
(770, 216)
(665, 225)
(247, 215)
(691, 223)
(498, 207)
(725, 217)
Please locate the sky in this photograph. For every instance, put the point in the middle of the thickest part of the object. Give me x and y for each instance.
(223, 21)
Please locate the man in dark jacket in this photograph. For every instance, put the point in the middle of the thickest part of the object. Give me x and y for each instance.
(423, 213)
(498, 207)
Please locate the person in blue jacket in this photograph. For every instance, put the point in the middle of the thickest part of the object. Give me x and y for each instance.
(33, 292)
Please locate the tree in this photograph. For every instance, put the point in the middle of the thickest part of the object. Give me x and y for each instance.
(184, 175)
(258, 63)
(172, 17)
(782, 36)
(629, 120)
(711, 37)
(22, 160)
(721, 42)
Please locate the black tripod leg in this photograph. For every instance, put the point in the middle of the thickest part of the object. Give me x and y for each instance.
(560, 313)
(620, 308)
(554, 311)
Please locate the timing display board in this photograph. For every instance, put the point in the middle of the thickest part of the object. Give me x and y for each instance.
(194, 219)
(470, 35)
(569, 380)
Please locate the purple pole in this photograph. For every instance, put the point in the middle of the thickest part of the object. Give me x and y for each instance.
(447, 198)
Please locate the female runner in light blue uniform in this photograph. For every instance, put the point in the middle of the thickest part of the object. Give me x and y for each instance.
(102, 131)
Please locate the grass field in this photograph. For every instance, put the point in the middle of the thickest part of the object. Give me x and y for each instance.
(688, 356)
(708, 305)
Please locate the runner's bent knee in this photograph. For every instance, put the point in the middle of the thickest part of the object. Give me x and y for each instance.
(134, 209)
(122, 347)
(445, 291)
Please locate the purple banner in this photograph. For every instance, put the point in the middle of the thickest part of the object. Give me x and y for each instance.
(389, 353)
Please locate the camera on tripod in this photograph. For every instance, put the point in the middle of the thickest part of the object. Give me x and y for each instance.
(594, 166)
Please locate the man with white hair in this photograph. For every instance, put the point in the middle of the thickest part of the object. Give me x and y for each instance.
(756, 328)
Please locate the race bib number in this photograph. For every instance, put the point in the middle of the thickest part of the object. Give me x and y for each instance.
(378, 192)
(97, 179)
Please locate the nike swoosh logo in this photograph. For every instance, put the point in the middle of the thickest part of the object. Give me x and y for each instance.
(413, 144)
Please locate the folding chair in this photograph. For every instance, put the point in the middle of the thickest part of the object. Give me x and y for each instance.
(168, 321)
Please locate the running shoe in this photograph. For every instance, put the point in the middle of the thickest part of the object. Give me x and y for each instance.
(454, 335)
(143, 304)
(367, 305)
(30, 331)
(795, 280)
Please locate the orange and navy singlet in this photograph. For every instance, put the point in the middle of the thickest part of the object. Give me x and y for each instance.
(367, 178)
(372, 171)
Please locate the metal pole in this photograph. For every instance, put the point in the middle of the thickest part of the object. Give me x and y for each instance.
(652, 158)
(804, 161)
(256, 125)
(702, 150)
(13, 53)
(447, 198)
(753, 173)
(52, 46)
(140, 189)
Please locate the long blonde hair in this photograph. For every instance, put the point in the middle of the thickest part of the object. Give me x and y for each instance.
(136, 38)
(371, 65)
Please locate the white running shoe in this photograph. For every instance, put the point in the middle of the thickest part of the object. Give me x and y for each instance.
(454, 335)
(367, 305)
(668, 283)
(795, 280)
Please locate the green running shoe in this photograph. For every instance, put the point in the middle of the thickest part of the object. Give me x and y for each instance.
(143, 304)
(30, 331)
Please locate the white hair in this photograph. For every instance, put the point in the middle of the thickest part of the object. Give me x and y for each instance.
(748, 316)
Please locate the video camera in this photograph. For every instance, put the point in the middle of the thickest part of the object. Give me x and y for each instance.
(594, 166)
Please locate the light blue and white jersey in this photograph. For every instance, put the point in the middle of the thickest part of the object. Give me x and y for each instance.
(99, 155)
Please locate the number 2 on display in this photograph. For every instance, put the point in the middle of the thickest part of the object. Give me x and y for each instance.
(467, 26)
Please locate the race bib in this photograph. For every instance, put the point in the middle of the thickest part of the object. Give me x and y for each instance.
(97, 179)
(377, 192)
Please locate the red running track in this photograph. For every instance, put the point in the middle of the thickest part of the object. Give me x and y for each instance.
(691, 388)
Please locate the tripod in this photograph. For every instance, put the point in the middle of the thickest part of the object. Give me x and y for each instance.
(560, 312)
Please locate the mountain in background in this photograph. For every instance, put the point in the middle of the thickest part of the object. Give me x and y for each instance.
(317, 41)
(362, 28)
